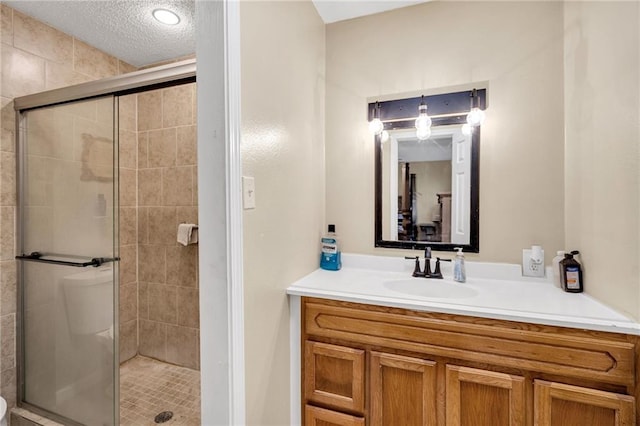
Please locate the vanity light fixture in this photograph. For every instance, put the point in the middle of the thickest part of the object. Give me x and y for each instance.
(423, 134)
(466, 129)
(166, 16)
(384, 136)
(423, 122)
(476, 115)
(376, 126)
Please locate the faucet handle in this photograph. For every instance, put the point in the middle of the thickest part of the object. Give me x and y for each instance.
(438, 273)
(416, 270)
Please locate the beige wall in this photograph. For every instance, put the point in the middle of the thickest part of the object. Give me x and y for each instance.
(167, 196)
(432, 178)
(602, 157)
(282, 147)
(440, 44)
(575, 71)
(35, 57)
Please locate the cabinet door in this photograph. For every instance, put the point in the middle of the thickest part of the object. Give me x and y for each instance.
(403, 391)
(314, 416)
(334, 376)
(484, 398)
(558, 404)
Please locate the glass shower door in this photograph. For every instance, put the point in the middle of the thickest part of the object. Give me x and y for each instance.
(68, 241)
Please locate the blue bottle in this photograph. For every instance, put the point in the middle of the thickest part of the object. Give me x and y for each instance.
(330, 255)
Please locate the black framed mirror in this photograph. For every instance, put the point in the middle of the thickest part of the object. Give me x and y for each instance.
(427, 191)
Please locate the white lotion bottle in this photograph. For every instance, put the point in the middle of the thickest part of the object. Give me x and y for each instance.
(459, 273)
(555, 267)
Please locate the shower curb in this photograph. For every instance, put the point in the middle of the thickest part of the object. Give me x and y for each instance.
(22, 417)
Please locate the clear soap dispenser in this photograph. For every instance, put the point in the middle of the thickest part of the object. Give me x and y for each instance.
(459, 273)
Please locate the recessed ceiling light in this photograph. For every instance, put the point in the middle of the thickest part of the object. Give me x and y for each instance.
(166, 16)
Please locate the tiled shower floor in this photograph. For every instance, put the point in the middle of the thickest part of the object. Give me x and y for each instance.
(149, 387)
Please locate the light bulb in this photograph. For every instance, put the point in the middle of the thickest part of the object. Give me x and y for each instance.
(375, 126)
(423, 133)
(423, 122)
(466, 129)
(475, 117)
(384, 136)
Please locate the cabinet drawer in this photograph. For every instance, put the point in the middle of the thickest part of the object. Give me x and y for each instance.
(605, 357)
(315, 416)
(334, 376)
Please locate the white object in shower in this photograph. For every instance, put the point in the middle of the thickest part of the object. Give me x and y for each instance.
(88, 297)
(187, 233)
(3, 412)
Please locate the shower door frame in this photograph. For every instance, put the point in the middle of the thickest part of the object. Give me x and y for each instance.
(174, 74)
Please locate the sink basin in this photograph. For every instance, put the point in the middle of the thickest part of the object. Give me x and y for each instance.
(430, 288)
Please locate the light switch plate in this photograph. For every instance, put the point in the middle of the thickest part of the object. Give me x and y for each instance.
(529, 268)
(248, 192)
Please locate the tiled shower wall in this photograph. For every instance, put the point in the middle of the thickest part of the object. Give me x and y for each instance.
(35, 57)
(159, 313)
(167, 196)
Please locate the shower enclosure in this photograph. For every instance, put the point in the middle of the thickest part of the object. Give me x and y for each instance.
(68, 243)
(68, 269)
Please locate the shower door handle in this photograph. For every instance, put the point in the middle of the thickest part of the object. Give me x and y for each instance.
(96, 261)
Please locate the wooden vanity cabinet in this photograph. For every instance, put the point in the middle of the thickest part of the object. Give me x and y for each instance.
(380, 366)
(484, 398)
(334, 376)
(403, 390)
(557, 404)
(315, 416)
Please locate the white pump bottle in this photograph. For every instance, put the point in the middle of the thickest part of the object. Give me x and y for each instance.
(459, 273)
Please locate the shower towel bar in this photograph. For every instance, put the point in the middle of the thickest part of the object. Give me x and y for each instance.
(96, 261)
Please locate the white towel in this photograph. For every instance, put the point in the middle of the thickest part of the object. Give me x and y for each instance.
(187, 233)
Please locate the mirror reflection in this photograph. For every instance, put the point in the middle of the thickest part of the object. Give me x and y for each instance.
(421, 176)
(427, 190)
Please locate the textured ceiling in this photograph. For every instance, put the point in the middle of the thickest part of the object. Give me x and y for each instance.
(126, 29)
(123, 28)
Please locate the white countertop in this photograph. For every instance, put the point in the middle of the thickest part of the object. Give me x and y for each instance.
(491, 291)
